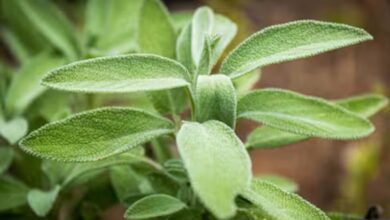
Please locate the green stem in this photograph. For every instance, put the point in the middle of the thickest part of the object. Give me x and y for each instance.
(192, 102)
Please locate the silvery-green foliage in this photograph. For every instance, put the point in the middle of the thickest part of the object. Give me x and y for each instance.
(213, 175)
(267, 137)
(204, 148)
(290, 41)
(304, 115)
(277, 204)
(95, 134)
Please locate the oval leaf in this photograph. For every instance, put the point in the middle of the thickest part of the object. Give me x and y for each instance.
(217, 164)
(267, 137)
(154, 206)
(129, 73)
(216, 99)
(277, 204)
(290, 41)
(41, 202)
(202, 26)
(304, 115)
(95, 134)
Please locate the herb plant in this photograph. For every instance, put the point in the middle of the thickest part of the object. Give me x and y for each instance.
(210, 177)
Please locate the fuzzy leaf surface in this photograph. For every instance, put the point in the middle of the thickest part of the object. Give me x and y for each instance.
(183, 48)
(217, 164)
(94, 135)
(267, 137)
(279, 181)
(290, 41)
(303, 115)
(226, 30)
(41, 202)
(154, 206)
(25, 86)
(128, 73)
(202, 26)
(364, 105)
(216, 99)
(277, 204)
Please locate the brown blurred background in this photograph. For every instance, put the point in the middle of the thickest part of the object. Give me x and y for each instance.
(334, 175)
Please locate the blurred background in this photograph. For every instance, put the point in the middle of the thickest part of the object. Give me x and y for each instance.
(334, 175)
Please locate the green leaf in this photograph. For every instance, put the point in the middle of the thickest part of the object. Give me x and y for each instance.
(52, 24)
(217, 164)
(19, 23)
(154, 206)
(183, 48)
(79, 170)
(12, 193)
(180, 19)
(172, 101)
(14, 129)
(304, 115)
(277, 204)
(6, 157)
(216, 99)
(124, 181)
(56, 172)
(25, 86)
(290, 41)
(118, 27)
(267, 137)
(156, 33)
(202, 26)
(41, 202)
(95, 16)
(364, 105)
(128, 73)
(279, 181)
(342, 216)
(226, 30)
(94, 135)
(245, 83)
(52, 105)
(157, 36)
(205, 62)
